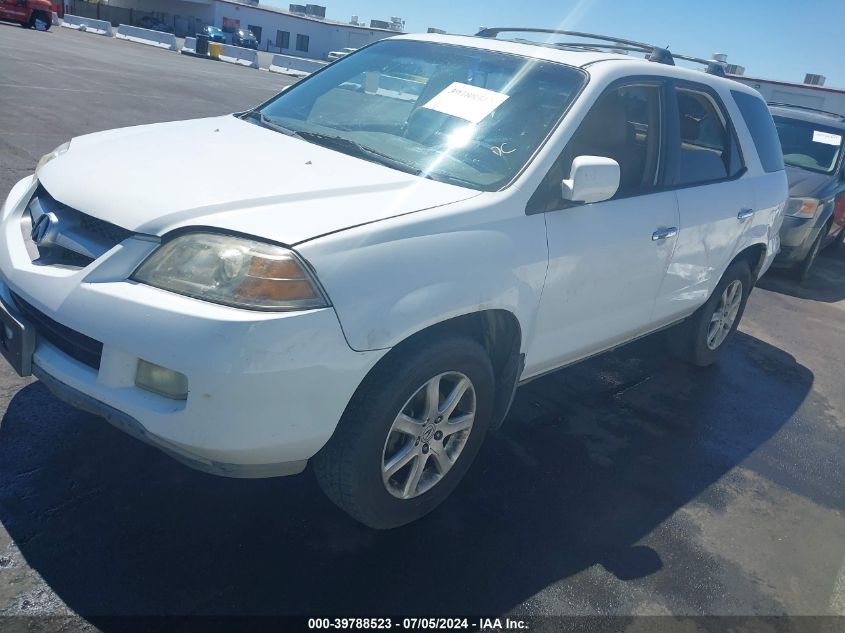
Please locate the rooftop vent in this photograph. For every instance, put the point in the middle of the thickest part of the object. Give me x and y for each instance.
(734, 69)
(814, 80)
(315, 11)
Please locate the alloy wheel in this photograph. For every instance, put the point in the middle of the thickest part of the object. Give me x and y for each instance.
(428, 435)
(724, 316)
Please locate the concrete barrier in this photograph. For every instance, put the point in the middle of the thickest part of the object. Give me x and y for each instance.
(89, 25)
(146, 36)
(190, 45)
(296, 66)
(237, 55)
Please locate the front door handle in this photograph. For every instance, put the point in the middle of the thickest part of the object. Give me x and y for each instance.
(662, 234)
(744, 214)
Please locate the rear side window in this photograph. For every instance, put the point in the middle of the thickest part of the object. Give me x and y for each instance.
(708, 151)
(762, 129)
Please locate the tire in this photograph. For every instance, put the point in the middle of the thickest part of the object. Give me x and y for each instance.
(349, 469)
(693, 340)
(802, 268)
(839, 243)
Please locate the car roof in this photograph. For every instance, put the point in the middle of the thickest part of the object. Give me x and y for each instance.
(580, 58)
(809, 115)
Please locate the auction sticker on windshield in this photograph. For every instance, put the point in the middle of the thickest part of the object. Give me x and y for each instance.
(826, 137)
(466, 102)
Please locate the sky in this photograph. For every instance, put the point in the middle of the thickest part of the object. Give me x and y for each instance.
(773, 39)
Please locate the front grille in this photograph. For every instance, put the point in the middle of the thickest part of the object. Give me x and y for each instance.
(73, 240)
(75, 344)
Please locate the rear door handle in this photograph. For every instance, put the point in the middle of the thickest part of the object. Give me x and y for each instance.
(662, 234)
(744, 214)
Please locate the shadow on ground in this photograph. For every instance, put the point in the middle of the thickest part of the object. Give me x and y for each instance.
(591, 459)
(825, 283)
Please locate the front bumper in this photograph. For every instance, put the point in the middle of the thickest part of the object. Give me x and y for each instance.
(796, 237)
(266, 390)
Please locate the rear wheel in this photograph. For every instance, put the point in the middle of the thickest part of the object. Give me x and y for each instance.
(409, 434)
(701, 338)
(43, 21)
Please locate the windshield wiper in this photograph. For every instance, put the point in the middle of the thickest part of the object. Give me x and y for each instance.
(353, 148)
(269, 123)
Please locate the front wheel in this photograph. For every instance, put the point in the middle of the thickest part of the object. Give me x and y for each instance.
(410, 433)
(701, 338)
(802, 268)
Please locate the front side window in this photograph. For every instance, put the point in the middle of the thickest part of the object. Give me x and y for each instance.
(624, 125)
(466, 116)
(708, 151)
(809, 145)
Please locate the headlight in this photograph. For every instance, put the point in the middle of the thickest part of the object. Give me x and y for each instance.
(802, 207)
(233, 271)
(61, 149)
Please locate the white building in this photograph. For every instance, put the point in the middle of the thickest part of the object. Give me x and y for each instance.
(276, 29)
(802, 94)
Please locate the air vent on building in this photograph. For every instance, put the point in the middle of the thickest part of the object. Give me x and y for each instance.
(297, 8)
(734, 69)
(814, 80)
(315, 11)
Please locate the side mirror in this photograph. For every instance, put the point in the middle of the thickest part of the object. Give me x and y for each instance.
(591, 179)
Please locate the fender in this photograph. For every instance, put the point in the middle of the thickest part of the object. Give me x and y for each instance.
(430, 266)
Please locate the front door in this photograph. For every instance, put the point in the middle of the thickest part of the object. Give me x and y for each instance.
(607, 260)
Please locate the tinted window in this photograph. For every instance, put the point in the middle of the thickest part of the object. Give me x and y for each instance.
(624, 125)
(808, 145)
(706, 144)
(302, 42)
(762, 129)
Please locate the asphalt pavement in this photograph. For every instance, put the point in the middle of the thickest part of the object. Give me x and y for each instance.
(630, 484)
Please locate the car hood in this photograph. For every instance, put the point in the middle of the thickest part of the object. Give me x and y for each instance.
(806, 183)
(231, 174)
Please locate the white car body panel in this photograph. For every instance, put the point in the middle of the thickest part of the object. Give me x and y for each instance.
(587, 304)
(394, 252)
(234, 175)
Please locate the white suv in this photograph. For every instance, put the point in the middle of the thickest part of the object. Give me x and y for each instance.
(362, 270)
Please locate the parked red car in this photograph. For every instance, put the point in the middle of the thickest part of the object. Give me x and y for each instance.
(28, 13)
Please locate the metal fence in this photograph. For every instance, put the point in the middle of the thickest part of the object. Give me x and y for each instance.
(181, 25)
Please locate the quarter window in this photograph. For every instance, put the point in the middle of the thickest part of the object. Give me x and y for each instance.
(708, 150)
(762, 129)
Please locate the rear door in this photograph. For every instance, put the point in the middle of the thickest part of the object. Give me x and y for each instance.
(716, 203)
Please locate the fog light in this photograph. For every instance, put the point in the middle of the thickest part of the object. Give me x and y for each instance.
(165, 382)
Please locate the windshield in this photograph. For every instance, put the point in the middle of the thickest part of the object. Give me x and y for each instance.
(461, 115)
(808, 145)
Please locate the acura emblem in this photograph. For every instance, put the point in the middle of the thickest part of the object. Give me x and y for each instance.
(41, 228)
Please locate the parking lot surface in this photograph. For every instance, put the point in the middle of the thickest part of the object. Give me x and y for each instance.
(630, 484)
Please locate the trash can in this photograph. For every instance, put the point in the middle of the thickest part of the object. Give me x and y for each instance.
(202, 44)
(215, 49)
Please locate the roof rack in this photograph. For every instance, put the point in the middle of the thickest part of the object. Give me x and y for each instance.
(780, 104)
(653, 53)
